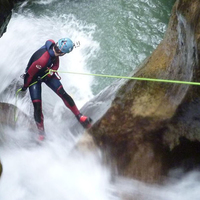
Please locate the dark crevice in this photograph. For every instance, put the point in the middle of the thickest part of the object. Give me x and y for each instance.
(185, 156)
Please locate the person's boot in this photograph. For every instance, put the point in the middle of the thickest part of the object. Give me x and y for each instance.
(41, 133)
(84, 121)
(41, 137)
(38, 115)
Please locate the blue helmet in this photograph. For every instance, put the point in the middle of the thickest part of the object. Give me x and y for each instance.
(65, 45)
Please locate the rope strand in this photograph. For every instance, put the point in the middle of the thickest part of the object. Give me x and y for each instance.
(133, 78)
(108, 76)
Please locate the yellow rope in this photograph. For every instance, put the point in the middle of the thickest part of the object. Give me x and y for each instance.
(129, 77)
(109, 76)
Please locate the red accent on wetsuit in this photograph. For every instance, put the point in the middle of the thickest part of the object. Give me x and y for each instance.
(37, 100)
(51, 40)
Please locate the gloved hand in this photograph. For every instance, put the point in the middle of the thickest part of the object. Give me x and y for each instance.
(50, 73)
(23, 88)
(84, 120)
(49, 76)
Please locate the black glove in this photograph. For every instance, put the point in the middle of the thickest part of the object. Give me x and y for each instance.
(23, 88)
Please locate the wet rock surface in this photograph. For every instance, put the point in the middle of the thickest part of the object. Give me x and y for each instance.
(6, 7)
(147, 121)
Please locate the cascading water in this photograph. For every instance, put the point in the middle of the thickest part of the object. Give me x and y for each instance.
(55, 170)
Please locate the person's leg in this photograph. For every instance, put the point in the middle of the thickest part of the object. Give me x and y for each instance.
(57, 87)
(35, 93)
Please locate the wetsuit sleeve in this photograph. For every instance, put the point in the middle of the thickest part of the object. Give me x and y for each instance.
(35, 67)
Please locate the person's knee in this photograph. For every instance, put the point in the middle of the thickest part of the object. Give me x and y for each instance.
(61, 92)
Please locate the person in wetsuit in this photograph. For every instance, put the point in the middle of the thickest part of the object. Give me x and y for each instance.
(45, 58)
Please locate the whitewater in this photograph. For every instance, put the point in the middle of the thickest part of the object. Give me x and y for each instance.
(56, 169)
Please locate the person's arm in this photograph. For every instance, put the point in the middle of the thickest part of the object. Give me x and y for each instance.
(35, 67)
(32, 71)
(54, 67)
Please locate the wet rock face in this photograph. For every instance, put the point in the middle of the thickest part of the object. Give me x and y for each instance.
(147, 121)
(6, 7)
(7, 114)
(11, 116)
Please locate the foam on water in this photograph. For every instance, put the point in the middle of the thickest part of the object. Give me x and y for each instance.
(51, 171)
